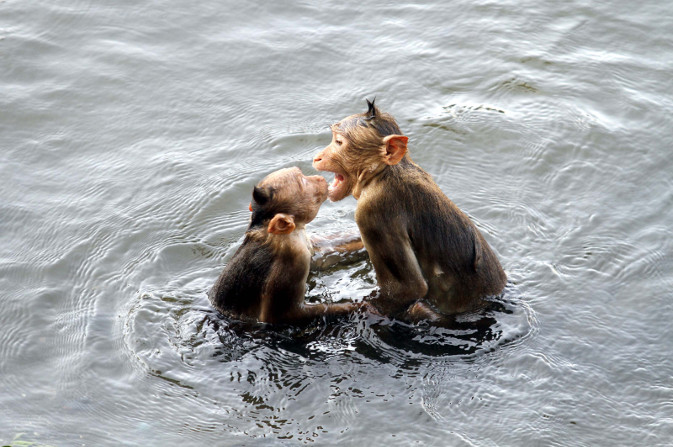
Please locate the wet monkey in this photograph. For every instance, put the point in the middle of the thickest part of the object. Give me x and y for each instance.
(430, 259)
(266, 278)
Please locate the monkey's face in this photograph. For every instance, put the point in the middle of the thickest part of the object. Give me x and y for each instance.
(290, 191)
(336, 158)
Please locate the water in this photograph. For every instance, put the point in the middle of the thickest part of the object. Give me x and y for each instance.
(131, 135)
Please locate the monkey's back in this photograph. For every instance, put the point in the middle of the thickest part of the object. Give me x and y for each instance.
(457, 263)
(238, 289)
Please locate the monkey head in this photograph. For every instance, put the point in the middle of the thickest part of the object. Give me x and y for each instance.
(362, 146)
(287, 199)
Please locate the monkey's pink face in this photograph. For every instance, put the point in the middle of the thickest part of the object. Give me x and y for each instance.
(315, 187)
(332, 159)
(295, 193)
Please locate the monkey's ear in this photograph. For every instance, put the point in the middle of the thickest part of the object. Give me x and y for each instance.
(395, 147)
(281, 224)
(262, 195)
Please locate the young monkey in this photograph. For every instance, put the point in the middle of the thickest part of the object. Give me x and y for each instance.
(266, 278)
(430, 259)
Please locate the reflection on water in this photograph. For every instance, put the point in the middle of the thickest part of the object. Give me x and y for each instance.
(184, 342)
(187, 330)
(132, 133)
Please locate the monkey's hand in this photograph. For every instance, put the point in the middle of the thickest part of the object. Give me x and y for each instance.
(421, 311)
(370, 309)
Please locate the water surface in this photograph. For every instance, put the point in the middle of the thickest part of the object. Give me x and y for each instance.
(131, 135)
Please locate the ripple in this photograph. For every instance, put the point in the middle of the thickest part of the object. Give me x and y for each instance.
(132, 136)
(180, 328)
(463, 119)
(275, 372)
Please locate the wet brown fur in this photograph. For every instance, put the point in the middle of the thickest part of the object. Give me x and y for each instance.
(266, 278)
(430, 259)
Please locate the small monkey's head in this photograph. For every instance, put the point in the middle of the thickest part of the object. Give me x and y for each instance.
(287, 199)
(362, 146)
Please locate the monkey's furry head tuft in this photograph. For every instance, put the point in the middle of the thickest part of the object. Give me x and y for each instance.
(371, 109)
(369, 127)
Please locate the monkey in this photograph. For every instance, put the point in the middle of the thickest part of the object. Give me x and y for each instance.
(266, 278)
(430, 259)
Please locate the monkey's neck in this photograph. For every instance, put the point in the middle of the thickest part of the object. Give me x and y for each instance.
(367, 177)
(296, 242)
(381, 174)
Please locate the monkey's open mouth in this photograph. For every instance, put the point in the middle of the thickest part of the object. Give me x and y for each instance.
(338, 178)
(339, 188)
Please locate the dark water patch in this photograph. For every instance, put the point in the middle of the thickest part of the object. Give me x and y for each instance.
(161, 328)
(468, 335)
(279, 374)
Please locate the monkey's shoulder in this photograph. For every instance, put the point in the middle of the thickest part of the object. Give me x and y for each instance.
(293, 249)
(262, 269)
(247, 268)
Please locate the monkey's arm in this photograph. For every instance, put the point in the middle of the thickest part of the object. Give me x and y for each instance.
(309, 312)
(398, 273)
(339, 243)
(334, 249)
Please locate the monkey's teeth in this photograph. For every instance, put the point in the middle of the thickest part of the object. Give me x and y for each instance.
(337, 179)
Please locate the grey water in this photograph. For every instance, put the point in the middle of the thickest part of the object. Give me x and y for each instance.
(132, 133)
